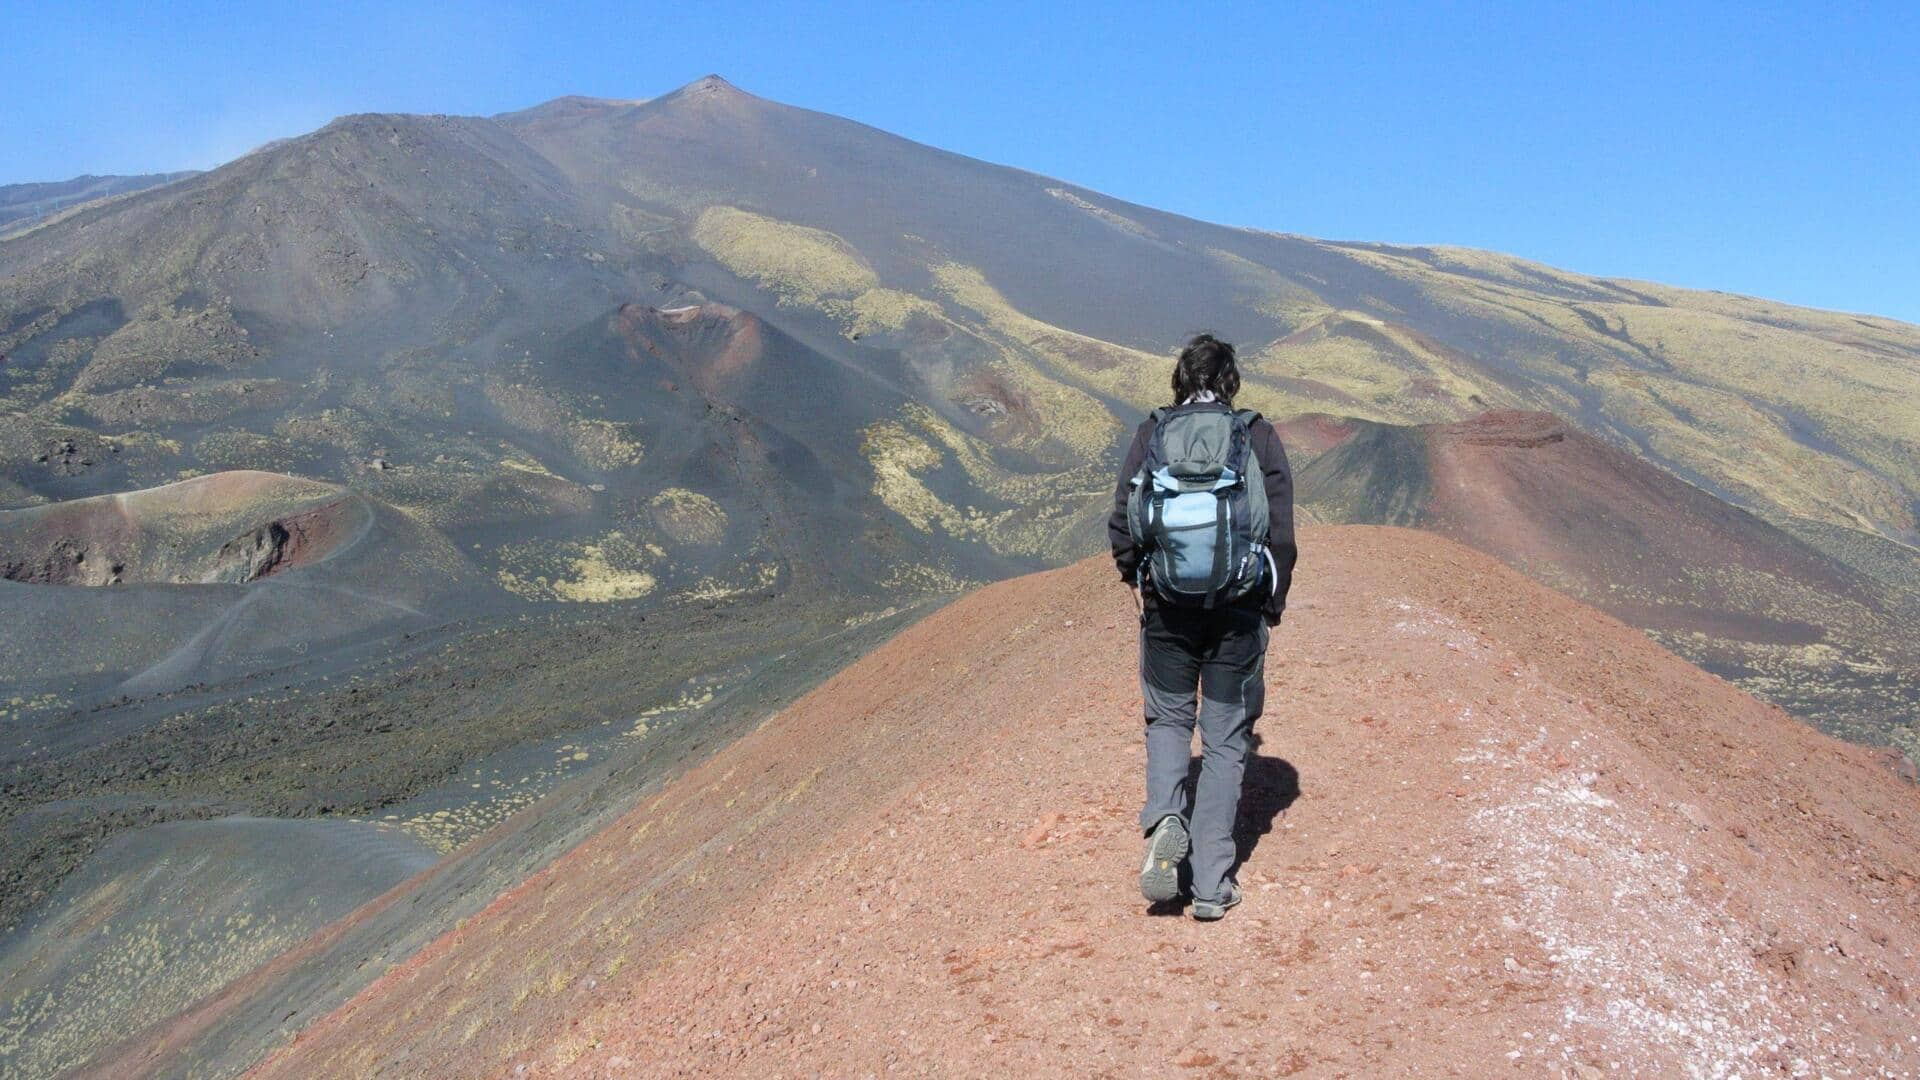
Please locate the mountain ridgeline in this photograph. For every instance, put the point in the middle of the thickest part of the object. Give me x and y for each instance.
(647, 349)
(25, 205)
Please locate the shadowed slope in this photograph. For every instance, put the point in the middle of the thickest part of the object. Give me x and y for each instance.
(1522, 831)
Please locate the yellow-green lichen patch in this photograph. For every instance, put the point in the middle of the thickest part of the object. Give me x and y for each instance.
(497, 794)
(1695, 425)
(1735, 389)
(1056, 369)
(798, 264)
(609, 569)
(808, 267)
(748, 578)
(1111, 217)
(867, 617)
(604, 444)
(1039, 509)
(697, 695)
(182, 401)
(881, 309)
(914, 581)
(594, 442)
(898, 456)
(605, 572)
(688, 517)
(1268, 291)
(235, 449)
(1380, 371)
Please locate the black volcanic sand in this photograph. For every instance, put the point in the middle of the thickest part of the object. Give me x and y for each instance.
(405, 735)
(268, 1009)
(160, 914)
(365, 729)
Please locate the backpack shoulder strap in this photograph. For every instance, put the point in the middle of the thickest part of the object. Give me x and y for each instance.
(1155, 418)
(1247, 417)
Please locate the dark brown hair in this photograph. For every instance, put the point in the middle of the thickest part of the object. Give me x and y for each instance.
(1207, 363)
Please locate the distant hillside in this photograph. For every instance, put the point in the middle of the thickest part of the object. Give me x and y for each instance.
(22, 204)
(1723, 587)
(950, 351)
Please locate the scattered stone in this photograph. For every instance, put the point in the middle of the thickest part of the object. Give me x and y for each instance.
(1038, 834)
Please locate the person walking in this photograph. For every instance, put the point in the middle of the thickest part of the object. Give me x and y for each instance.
(1202, 531)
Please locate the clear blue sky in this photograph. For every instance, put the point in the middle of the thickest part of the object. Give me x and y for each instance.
(1758, 148)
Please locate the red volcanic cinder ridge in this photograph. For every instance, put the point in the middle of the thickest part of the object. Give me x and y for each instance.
(712, 344)
(228, 527)
(1485, 825)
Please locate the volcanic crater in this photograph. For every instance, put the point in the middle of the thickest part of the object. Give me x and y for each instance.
(224, 528)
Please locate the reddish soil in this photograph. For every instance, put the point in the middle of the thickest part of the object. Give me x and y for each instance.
(712, 345)
(1651, 549)
(1009, 414)
(1525, 839)
(1309, 435)
(293, 541)
(168, 534)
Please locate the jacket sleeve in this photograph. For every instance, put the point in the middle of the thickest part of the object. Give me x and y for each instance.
(1125, 556)
(1280, 542)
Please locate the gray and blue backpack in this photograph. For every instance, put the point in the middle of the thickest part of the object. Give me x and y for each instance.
(1198, 508)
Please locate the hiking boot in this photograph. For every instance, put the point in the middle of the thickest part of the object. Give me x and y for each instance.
(1209, 910)
(1166, 850)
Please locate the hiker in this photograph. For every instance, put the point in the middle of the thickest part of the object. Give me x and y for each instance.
(1202, 531)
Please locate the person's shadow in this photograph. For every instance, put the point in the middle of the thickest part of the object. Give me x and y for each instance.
(1267, 788)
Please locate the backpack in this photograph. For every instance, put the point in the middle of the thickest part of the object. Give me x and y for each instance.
(1198, 507)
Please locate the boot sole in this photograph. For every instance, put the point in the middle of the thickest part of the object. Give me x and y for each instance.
(1160, 873)
(1207, 911)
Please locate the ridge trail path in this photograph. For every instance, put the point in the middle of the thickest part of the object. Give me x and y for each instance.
(1490, 831)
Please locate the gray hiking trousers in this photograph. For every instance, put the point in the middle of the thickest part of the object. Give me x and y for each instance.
(1221, 653)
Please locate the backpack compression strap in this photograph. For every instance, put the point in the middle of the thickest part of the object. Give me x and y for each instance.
(1222, 520)
(1218, 578)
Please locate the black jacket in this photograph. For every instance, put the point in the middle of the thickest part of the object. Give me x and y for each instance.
(1279, 484)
